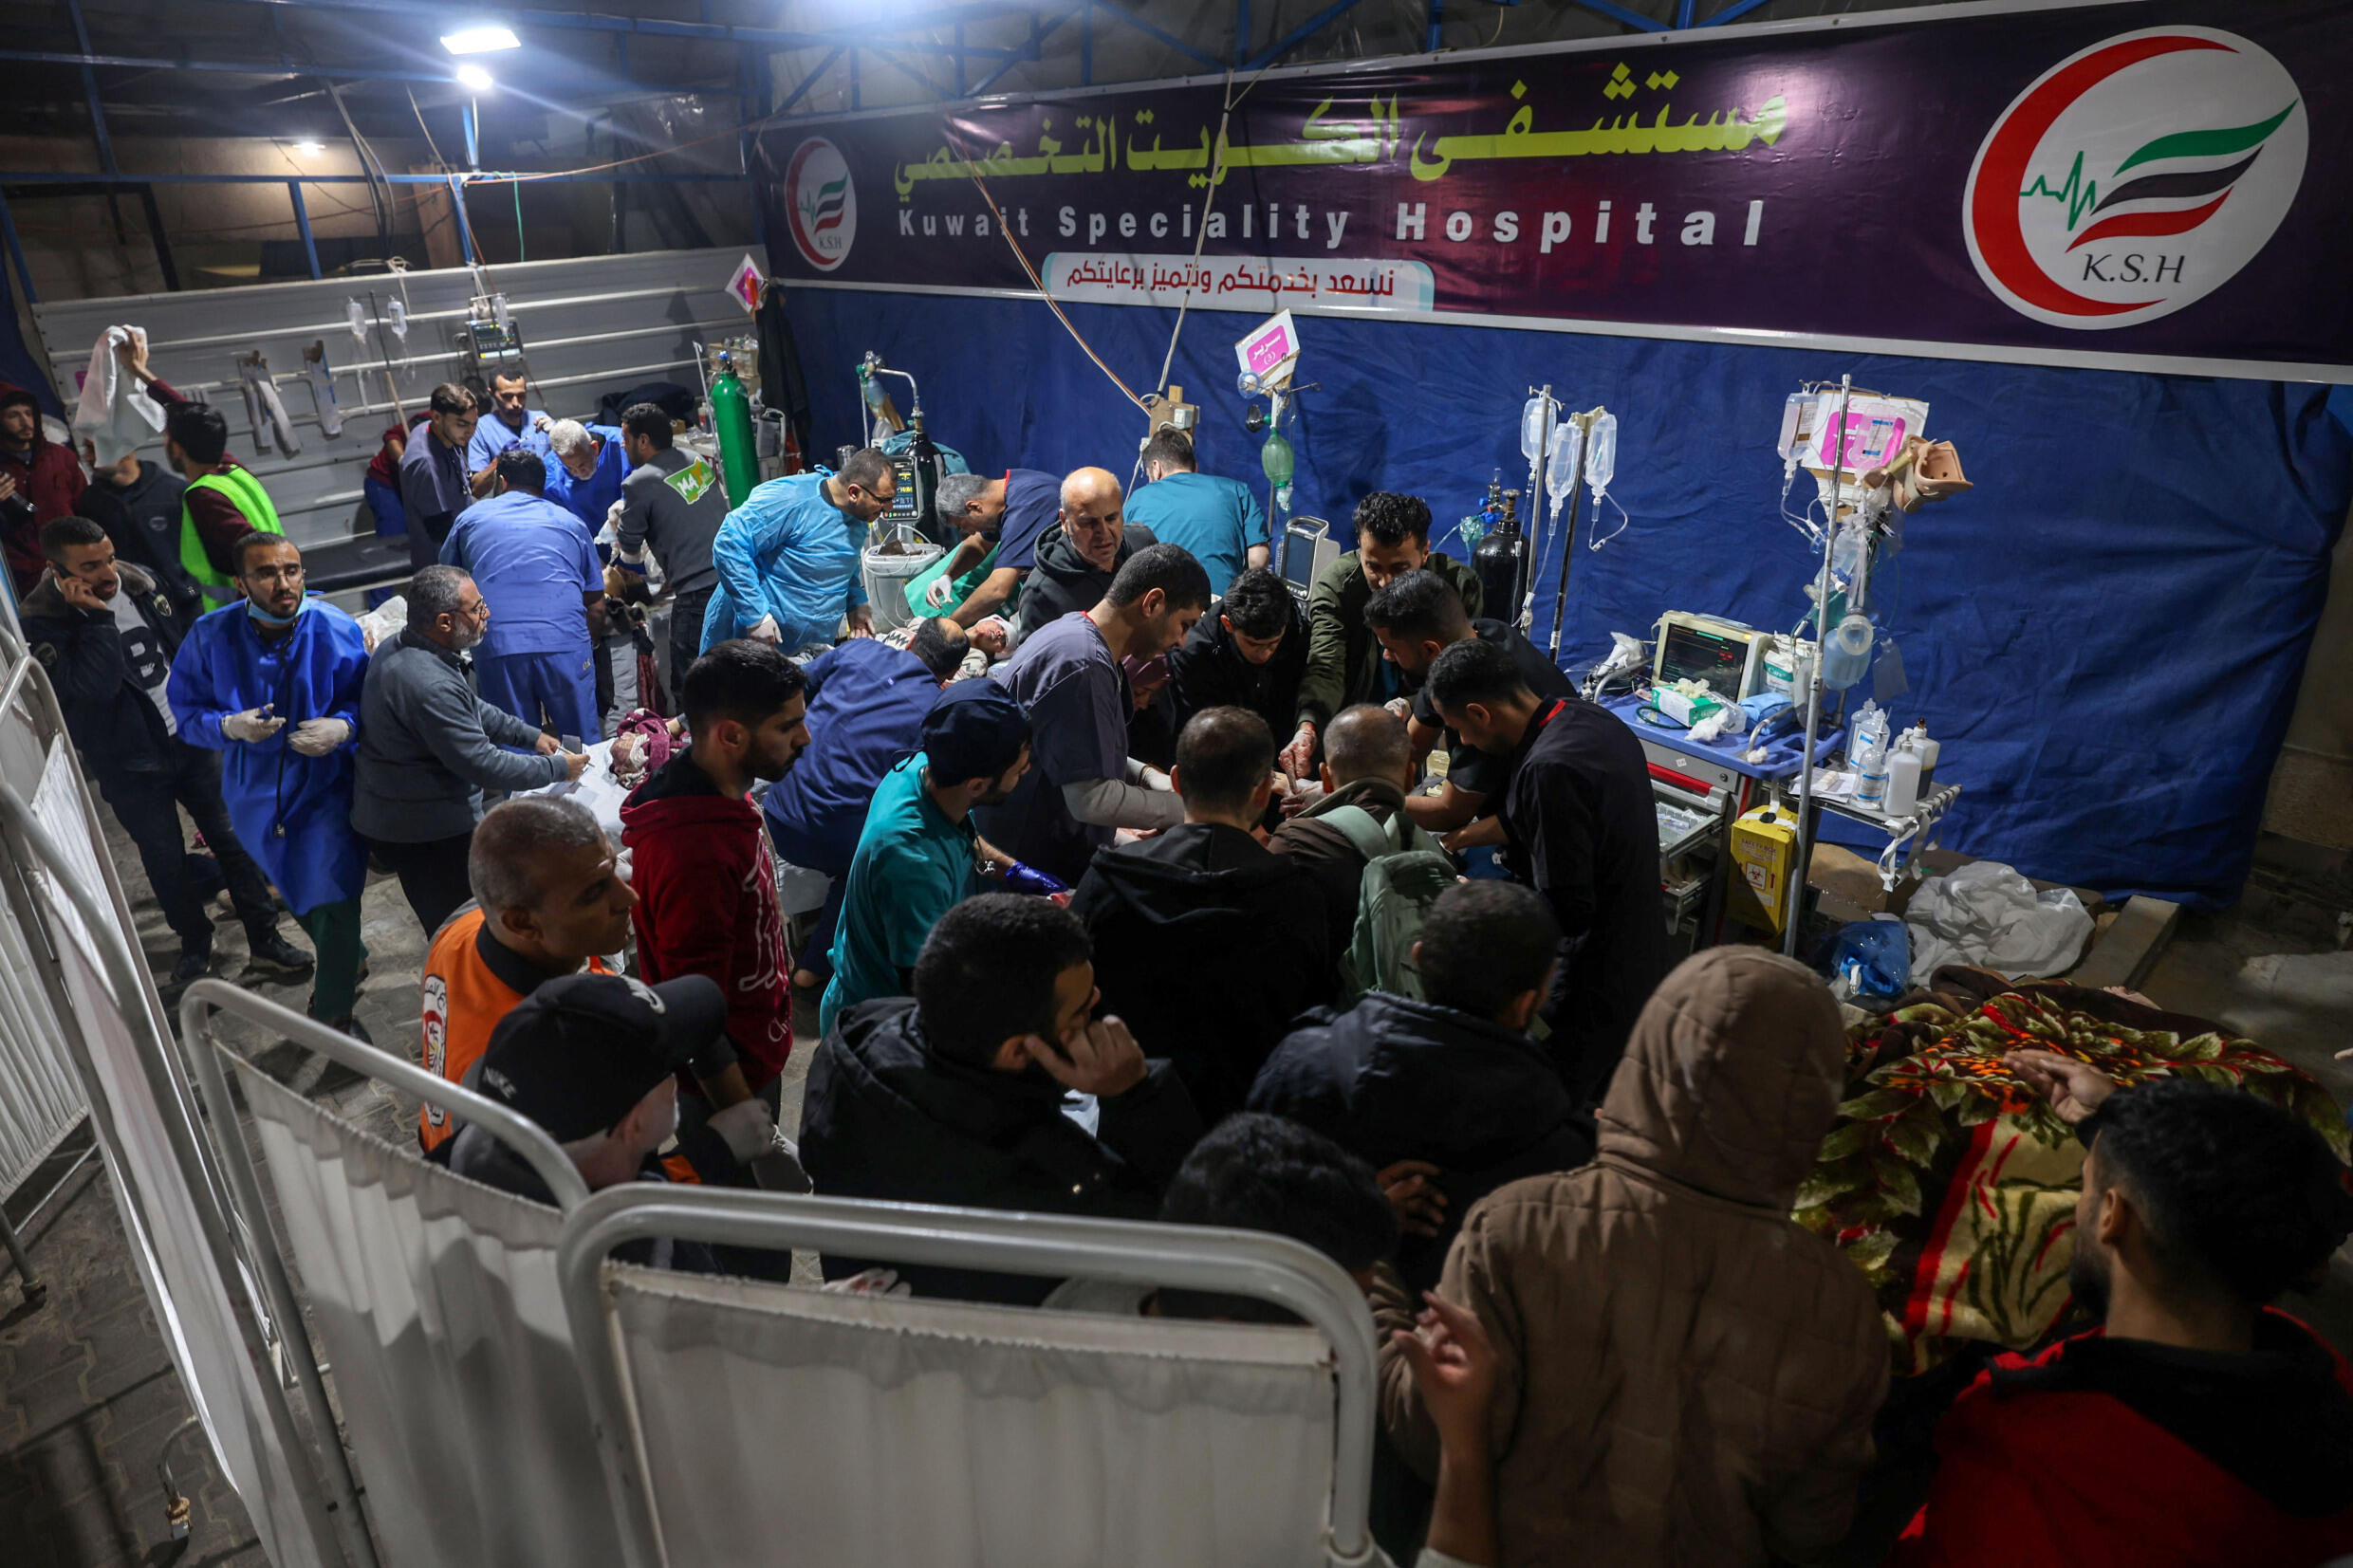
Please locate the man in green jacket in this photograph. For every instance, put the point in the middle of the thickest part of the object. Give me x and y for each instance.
(1345, 663)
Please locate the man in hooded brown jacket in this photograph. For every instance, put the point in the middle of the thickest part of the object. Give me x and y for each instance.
(1687, 1377)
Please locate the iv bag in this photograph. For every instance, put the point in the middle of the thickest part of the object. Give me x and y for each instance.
(1536, 427)
(1561, 463)
(1601, 454)
(358, 316)
(398, 315)
(498, 311)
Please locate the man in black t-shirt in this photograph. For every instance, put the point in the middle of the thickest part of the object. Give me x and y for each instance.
(1416, 618)
(105, 632)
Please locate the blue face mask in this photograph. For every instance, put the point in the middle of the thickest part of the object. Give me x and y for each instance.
(268, 619)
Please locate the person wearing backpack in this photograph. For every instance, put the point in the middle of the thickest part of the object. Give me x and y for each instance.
(1208, 946)
(1447, 1097)
(1361, 822)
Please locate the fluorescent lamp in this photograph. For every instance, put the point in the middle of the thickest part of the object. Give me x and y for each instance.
(309, 149)
(475, 78)
(482, 40)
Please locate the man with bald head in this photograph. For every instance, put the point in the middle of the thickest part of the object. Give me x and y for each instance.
(1080, 555)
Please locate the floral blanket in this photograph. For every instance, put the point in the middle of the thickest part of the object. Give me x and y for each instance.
(1951, 1184)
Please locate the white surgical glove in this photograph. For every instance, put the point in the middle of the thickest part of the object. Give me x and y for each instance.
(317, 737)
(252, 724)
(766, 631)
(745, 1128)
(939, 595)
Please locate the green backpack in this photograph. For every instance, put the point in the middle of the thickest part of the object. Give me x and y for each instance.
(1405, 873)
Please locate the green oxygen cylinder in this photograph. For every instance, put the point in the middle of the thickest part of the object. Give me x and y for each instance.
(731, 417)
(1275, 457)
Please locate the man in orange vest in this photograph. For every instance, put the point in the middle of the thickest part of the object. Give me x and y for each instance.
(549, 897)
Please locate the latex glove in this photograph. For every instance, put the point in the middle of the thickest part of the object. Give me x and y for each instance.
(317, 737)
(1402, 707)
(1158, 781)
(1298, 757)
(940, 593)
(1026, 878)
(766, 631)
(746, 1128)
(254, 724)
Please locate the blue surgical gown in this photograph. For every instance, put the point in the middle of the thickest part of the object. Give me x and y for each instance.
(790, 553)
(223, 667)
(492, 437)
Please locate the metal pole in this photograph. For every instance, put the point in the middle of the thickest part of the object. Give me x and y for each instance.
(26, 1280)
(16, 252)
(1794, 894)
(302, 222)
(465, 229)
(1568, 536)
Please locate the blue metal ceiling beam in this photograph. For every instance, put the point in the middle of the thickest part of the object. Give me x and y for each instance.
(89, 89)
(810, 81)
(341, 73)
(1117, 14)
(1633, 19)
(1033, 49)
(1731, 12)
(524, 21)
(1684, 12)
(1300, 34)
(487, 176)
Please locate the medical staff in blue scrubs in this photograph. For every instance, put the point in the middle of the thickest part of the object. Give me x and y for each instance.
(584, 471)
(787, 556)
(867, 702)
(275, 683)
(1218, 519)
(537, 572)
(507, 421)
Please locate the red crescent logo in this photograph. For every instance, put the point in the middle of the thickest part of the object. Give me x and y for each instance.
(2002, 174)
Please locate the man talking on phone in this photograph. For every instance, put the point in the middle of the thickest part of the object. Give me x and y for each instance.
(963, 1093)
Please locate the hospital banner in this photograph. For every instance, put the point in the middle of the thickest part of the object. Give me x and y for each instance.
(2153, 184)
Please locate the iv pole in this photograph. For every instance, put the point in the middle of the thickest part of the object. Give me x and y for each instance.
(1568, 535)
(1795, 893)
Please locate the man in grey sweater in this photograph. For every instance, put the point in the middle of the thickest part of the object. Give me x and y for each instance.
(672, 503)
(429, 745)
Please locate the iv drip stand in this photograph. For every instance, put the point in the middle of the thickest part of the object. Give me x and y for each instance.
(1568, 535)
(1795, 893)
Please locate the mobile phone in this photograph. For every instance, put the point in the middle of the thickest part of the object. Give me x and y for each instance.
(569, 743)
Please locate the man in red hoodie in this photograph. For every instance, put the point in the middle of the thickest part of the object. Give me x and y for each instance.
(35, 469)
(2197, 1424)
(699, 862)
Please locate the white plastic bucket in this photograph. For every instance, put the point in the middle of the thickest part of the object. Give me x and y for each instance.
(900, 557)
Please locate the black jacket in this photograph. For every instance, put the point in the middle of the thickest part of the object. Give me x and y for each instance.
(1209, 946)
(886, 1117)
(1393, 1078)
(142, 518)
(1210, 672)
(1583, 825)
(114, 724)
(1063, 580)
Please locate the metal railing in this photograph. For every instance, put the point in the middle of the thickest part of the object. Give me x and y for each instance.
(1239, 1262)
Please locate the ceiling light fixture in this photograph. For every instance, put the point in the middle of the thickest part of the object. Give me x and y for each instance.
(475, 78)
(486, 39)
(309, 149)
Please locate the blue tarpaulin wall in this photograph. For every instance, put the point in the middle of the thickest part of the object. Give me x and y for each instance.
(2106, 634)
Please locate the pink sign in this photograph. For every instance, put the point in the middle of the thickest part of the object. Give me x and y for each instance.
(1269, 351)
(1872, 442)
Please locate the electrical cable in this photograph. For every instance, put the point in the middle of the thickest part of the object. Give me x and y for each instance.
(1216, 177)
(1038, 282)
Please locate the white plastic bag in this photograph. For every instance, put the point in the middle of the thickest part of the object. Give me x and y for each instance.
(1988, 916)
(384, 623)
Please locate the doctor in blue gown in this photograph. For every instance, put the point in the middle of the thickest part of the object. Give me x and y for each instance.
(275, 683)
(787, 556)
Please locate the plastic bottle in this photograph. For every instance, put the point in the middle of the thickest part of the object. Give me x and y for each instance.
(1847, 652)
(1928, 749)
(1867, 750)
(1904, 779)
(1601, 454)
(730, 419)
